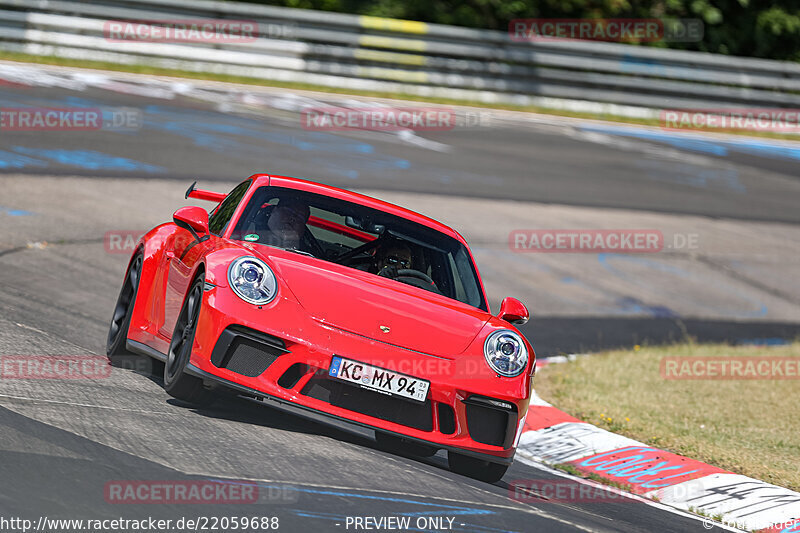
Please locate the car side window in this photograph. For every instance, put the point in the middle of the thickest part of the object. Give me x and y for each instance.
(224, 211)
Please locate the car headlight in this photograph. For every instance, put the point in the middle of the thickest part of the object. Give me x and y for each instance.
(506, 353)
(252, 280)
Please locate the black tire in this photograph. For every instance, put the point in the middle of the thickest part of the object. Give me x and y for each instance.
(177, 383)
(401, 446)
(476, 468)
(123, 310)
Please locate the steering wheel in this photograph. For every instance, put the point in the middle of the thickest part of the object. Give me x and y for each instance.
(411, 273)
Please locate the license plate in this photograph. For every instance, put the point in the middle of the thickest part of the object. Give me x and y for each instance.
(379, 379)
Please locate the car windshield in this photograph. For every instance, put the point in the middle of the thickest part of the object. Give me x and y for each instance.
(359, 237)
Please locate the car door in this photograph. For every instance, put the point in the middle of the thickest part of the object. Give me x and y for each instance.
(185, 252)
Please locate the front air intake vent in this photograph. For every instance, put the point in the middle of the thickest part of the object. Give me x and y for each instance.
(246, 352)
(491, 421)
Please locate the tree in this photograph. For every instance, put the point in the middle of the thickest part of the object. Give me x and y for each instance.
(768, 29)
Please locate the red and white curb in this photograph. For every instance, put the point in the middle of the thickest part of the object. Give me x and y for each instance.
(552, 437)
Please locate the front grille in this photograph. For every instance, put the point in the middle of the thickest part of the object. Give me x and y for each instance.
(248, 358)
(371, 403)
(246, 352)
(489, 424)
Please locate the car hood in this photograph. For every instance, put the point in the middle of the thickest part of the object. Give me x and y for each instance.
(365, 304)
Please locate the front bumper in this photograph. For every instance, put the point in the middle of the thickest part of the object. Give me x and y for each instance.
(279, 353)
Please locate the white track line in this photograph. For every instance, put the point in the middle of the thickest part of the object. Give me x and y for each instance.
(74, 404)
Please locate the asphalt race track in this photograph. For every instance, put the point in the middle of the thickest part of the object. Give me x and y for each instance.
(213, 132)
(736, 196)
(63, 441)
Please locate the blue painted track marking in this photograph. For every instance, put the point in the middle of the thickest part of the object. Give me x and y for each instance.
(89, 159)
(769, 150)
(12, 160)
(635, 306)
(15, 212)
(235, 136)
(339, 154)
(432, 508)
(692, 175)
(602, 258)
(203, 128)
(704, 145)
(394, 499)
(632, 303)
(624, 305)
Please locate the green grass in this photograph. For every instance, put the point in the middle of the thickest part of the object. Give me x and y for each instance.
(158, 71)
(749, 427)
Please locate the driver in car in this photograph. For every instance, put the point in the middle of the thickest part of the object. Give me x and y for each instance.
(287, 224)
(392, 257)
(395, 262)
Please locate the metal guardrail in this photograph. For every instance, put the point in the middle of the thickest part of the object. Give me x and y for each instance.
(378, 54)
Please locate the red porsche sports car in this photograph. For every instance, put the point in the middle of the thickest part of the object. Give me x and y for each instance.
(334, 303)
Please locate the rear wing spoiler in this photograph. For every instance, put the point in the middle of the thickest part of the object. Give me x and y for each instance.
(199, 194)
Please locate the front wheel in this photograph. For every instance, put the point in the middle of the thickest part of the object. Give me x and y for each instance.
(476, 468)
(177, 383)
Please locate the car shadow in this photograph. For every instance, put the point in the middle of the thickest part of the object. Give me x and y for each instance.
(549, 336)
(233, 408)
(230, 406)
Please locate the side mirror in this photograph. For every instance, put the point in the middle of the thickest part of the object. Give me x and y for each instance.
(513, 311)
(192, 218)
